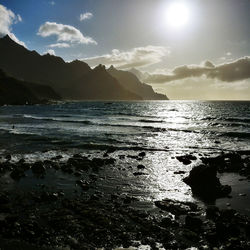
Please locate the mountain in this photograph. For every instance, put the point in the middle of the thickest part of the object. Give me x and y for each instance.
(74, 80)
(130, 81)
(16, 92)
(140, 75)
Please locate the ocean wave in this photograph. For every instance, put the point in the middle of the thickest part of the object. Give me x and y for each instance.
(237, 134)
(235, 119)
(57, 119)
(150, 121)
(20, 132)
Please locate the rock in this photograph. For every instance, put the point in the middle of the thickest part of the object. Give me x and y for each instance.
(83, 184)
(72, 241)
(142, 154)
(58, 157)
(139, 173)
(38, 168)
(190, 235)
(204, 183)
(46, 196)
(127, 200)
(109, 161)
(243, 194)
(166, 222)
(194, 223)
(111, 150)
(21, 161)
(186, 159)
(17, 174)
(8, 157)
(77, 156)
(179, 172)
(230, 162)
(141, 166)
(227, 214)
(174, 207)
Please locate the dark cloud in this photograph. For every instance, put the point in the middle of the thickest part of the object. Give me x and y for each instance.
(228, 72)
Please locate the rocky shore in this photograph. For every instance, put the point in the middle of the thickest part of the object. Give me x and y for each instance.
(45, 218)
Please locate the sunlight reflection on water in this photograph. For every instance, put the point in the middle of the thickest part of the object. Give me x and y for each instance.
(162, 129)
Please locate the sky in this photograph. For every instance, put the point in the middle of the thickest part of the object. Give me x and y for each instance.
(189, 49)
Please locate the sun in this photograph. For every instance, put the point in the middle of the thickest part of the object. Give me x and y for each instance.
(177, 15)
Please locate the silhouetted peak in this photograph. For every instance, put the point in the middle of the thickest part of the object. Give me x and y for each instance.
(76, 62)
(6, 38)
(57, 59)
(79, 63)
(112, 67)
(100, 67)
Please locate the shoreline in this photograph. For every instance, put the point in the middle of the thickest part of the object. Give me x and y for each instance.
(90, 216)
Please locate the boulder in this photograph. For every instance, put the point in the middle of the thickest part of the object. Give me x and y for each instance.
(141, 166)
(205, 184)
(38, 168)
(186, 159)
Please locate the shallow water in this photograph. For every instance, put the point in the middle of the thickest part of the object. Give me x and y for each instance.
(163, 129)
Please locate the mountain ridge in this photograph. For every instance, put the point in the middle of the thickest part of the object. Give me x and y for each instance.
(71, 80)
(131, 81)
(17, 92)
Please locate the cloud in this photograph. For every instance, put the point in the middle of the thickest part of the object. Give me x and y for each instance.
(51, 52)
(85, 16)
(19, 18)
(208, 64)
(7, 19)
(64, 33)
(59, 45)
(136, 57)
(52, 3)
(228, 72)
(202, 88)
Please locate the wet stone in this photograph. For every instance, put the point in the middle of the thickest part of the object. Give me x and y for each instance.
(141, 166)
(38, 168)
(192, 222)
(17, 174)
(8, 157)
(142, 154)
(179, 172)
(204, 183)
(139, 173)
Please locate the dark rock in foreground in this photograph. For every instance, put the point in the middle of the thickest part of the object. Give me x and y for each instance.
(46, 218)
(204, 183)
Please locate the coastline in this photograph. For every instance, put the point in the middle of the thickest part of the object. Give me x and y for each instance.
(74, 212)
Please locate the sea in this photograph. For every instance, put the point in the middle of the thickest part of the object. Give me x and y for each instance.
(161, 129)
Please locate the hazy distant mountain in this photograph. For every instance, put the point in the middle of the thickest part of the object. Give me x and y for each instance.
(98, 84)
(140, 75)
(74, 80)
(16, 92)
(130, 81)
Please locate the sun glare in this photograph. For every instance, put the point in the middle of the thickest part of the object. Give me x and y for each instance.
(177, 15)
